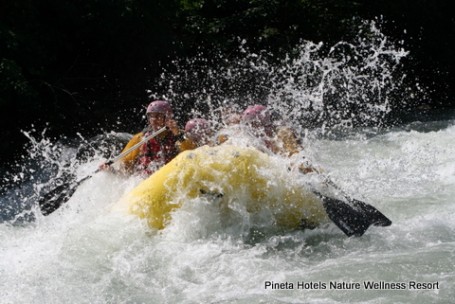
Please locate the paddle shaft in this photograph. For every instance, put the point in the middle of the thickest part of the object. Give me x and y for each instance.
(352, 218)
(329, 182)
(52, 200)
(125, 153)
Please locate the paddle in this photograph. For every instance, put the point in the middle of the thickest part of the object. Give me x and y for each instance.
(52, 200)
(353, 218)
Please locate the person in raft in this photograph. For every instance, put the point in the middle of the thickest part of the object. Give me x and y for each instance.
(231, 124)
(156, 152)
(281, 140)
(198, 132)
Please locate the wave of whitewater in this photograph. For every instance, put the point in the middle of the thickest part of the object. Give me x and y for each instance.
(87, 253)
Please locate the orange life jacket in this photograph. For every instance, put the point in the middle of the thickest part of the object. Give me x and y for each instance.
(151, 155)
(156, 152)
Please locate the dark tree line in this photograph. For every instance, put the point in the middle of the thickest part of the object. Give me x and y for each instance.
(80, 65)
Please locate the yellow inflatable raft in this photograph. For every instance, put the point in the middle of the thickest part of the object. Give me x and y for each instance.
(231, 175)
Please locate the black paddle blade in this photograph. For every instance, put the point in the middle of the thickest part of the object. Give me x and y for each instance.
(375, 216)
(52, 200)
(353, 221)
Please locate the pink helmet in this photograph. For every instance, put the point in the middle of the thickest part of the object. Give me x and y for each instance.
(257, 113)
(197, 128)
(160, 106)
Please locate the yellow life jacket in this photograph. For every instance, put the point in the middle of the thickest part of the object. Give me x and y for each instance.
(127, 162)
(186, 144)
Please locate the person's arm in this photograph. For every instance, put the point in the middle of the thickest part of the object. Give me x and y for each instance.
(289, 142)
(173, 126)
(306, 168)
(290, 146)
(222, 138)
(185, 145)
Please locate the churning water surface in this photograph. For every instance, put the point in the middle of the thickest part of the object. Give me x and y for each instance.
(87, 252)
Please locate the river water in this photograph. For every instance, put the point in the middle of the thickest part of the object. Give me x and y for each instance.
(87, 252)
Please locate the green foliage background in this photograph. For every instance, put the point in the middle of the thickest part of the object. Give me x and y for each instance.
(80, 65)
